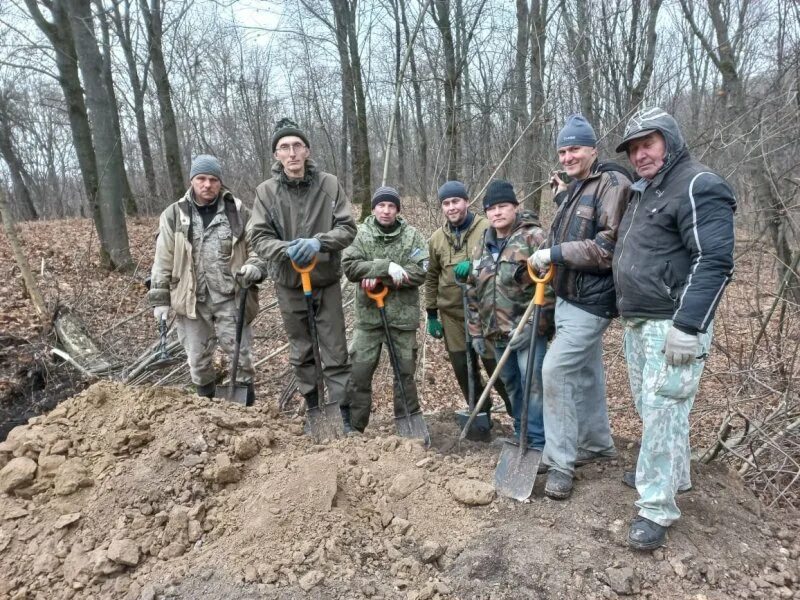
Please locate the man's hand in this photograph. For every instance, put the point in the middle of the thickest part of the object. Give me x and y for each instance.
(522, 340)
(397, 273)
(478, 345)
(680, 348)
(556, 184)
(461, 270)
(369, 284)
(540, 260)
(435, 328)
(160, 313)
(249, 275)
(303, 250)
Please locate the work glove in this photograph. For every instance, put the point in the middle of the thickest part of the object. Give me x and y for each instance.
(522, 340)
(540, 260)
(461, 270)
(397, 273)
(249, 275)
(680, 348)
(303, 250)
(160, 313)
(369, 284)
(435, 328)
(478, 345)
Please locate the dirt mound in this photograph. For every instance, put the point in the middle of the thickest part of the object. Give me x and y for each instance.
(148, 493)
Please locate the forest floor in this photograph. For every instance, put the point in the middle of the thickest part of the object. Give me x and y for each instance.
(144, 492)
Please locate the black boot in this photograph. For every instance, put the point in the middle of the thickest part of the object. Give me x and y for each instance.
(207, 390)
(348, 427)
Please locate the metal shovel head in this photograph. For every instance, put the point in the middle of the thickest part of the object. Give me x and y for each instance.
(413, 426)
(325, 422)
(516, 473)
(481, 428)
(238, 394)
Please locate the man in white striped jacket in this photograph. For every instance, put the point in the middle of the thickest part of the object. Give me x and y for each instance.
(673, 259)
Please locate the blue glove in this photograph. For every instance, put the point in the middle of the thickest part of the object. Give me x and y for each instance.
(302, 251)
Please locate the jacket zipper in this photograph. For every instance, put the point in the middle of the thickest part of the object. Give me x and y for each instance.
(622, 247)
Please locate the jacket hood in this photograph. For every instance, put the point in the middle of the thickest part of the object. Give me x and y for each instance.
(655, 119)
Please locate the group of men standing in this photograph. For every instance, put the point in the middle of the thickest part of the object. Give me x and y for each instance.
(658, 252)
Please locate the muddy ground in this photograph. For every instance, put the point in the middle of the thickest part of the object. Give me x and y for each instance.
(132, 493)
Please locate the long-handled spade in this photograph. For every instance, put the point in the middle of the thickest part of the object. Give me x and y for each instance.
(480, 427)
(236, 392)
(410, 425)
(324, 419)
(516, 470)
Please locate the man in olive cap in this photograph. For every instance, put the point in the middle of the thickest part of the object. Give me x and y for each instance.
(302, 215)
(203, 260)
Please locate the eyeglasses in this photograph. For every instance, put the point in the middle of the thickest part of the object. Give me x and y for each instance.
(297, 146)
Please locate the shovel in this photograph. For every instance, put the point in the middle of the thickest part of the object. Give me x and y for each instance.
(480, 427)
(237, 392)
(516, 470)
(324, 419)
(410, 425)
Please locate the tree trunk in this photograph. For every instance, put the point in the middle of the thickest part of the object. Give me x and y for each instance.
(398, 60)
(578, 29)
(422, 138)
(441, 16)
(23, 203)
(537, 18)
(172, 151)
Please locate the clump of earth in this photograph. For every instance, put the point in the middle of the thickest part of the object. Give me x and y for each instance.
(144, 493)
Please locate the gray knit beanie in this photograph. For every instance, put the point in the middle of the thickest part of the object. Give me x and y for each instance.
(577, 131)
(386, 194)
(205, 164)
(286, 127)
(453, 189)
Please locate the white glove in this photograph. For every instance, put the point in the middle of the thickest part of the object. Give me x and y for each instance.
(680, 348)
(540, 260)
(160, 313)
(397, 273)
(249, 274)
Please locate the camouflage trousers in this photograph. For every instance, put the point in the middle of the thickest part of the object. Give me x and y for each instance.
(365, 352)
(664, 396)
(215, 322)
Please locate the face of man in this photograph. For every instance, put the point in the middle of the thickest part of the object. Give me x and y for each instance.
(647, 154)
(502, 217)
(455, 210)
(385, 213)
(292, 152)
(205, 188)
(577, 160)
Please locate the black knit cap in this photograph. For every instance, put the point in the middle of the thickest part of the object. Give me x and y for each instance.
(499, 191)
(386, 194)
(286, 127)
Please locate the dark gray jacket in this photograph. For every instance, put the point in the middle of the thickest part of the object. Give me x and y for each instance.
(674, 252)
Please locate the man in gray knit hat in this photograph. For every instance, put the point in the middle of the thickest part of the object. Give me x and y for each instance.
(390, 251)
(300, 215)
(202, 263)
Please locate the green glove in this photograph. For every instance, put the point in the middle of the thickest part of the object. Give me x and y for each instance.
(461, 270)
(435, 328)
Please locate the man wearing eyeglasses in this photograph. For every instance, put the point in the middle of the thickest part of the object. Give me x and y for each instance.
(302, 215)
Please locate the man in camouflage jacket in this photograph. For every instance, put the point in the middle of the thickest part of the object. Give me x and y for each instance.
(500, 289)
(451, 248)
(386, 251)
(201, 244)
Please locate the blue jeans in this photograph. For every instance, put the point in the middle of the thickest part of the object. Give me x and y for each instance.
(513, 377)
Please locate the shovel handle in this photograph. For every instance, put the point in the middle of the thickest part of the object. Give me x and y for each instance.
(379, 295)
(305, 274)
(538, 296)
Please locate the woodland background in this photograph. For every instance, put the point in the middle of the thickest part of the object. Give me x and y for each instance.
(103, 104)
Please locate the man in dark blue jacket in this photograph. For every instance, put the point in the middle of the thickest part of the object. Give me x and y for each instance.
(674, 258)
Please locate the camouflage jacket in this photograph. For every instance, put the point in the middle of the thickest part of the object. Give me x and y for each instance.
(499, 287)
(369, 256)
(447, 250)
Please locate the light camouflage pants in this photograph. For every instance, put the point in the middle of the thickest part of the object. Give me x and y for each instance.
(664, 396)
(214, 323)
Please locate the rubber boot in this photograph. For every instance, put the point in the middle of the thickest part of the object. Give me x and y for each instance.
(207, 390)
(348, 427)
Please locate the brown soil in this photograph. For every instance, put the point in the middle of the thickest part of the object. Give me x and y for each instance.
(152, 493)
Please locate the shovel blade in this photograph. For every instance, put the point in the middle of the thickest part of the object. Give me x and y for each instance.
(325, 422)
(479, 430)
(413, 426)
(516, 473)
(238, 394)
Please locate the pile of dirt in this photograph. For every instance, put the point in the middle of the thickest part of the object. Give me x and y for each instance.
(148, 493)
